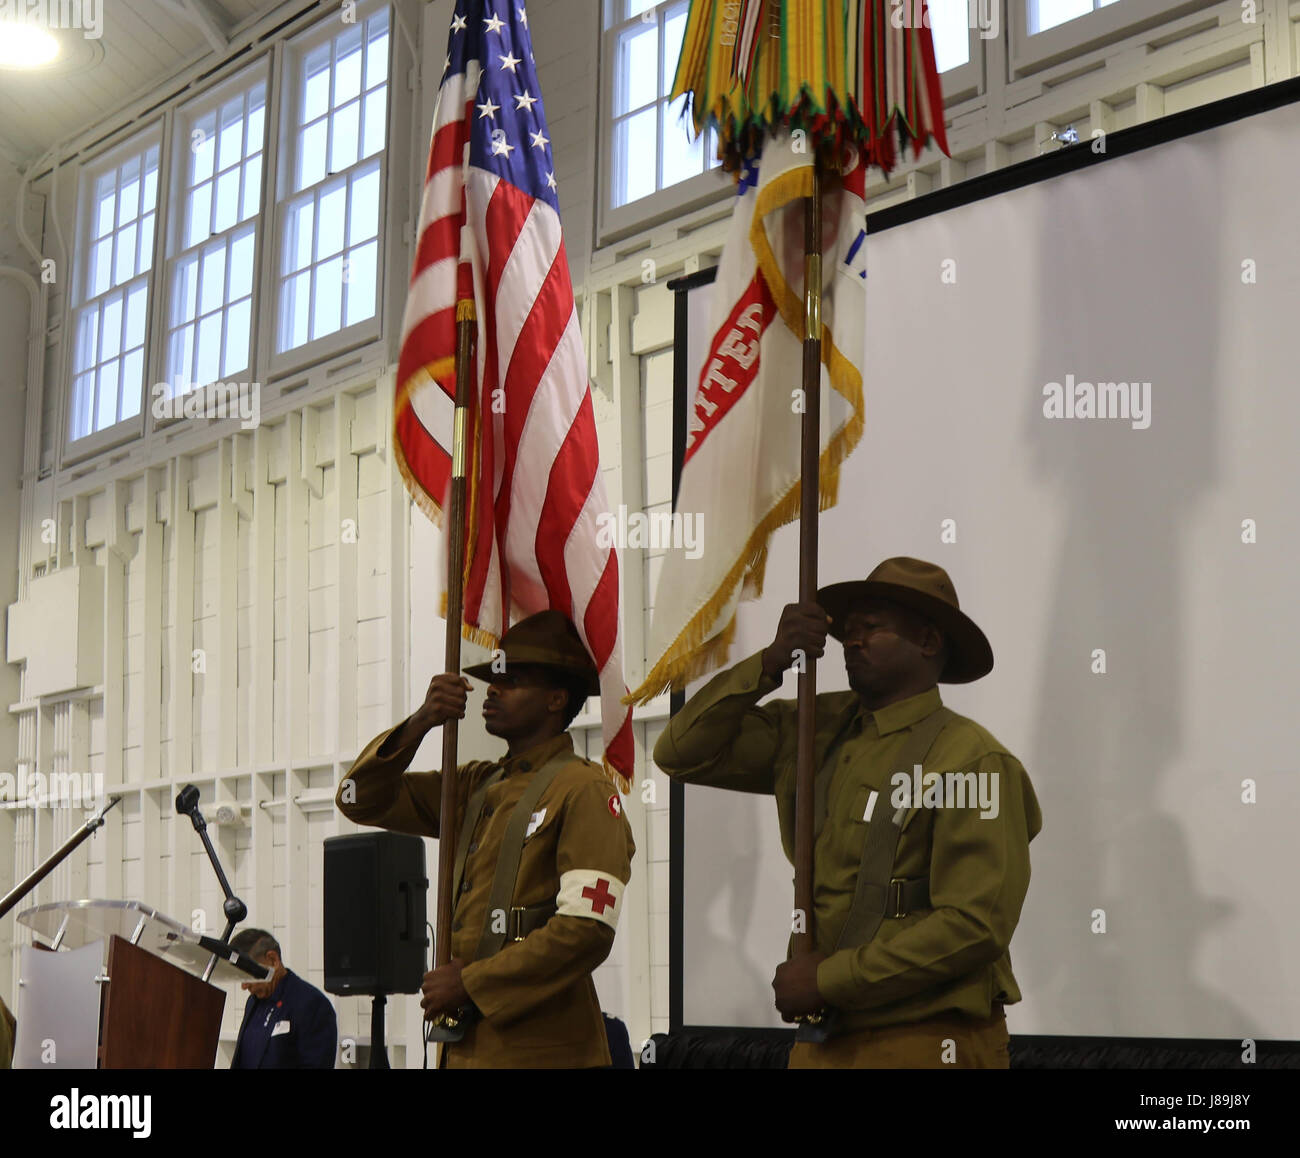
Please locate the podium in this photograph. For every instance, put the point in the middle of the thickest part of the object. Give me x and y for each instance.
(121, 987)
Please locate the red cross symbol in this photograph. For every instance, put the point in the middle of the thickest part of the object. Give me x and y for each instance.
(600, 896)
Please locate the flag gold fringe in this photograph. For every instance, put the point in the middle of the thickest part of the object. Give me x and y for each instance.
(615, 777)
(432, 510)
(422, 377)
(698, 648)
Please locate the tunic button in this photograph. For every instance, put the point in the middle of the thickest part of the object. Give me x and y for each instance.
(456, 927)
(464, 886)
(473, 846)
(487, 811)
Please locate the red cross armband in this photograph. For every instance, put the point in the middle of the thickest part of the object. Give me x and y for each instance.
(592, 894)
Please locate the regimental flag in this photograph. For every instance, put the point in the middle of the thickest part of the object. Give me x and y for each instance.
(741, 468)
(489, 247)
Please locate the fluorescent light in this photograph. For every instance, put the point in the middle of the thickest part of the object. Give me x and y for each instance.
(25, 45)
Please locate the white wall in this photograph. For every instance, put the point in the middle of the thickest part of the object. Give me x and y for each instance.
(17, 307)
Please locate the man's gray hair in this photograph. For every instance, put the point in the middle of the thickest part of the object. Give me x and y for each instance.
(255, 943)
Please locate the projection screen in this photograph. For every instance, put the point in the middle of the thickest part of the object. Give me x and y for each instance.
(1136, 577)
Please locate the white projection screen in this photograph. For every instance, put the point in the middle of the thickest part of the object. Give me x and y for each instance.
(1176, 264)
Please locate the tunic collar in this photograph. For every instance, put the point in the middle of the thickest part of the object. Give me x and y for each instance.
(904, 713)
(538, 754)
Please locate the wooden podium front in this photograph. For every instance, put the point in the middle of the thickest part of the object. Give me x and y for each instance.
(155, 1015)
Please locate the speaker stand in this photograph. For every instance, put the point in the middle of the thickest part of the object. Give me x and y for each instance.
(378, 1050)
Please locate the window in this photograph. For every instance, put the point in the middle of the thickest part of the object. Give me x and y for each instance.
(949, 28)
(108, 355)
(956, 28)
(1046, 32)
(219, 173)
(650, 146)
(1045, 14)
(646, 44)
(329, 239)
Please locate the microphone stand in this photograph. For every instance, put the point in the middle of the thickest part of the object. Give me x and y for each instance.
(187, 803)
(56, 858)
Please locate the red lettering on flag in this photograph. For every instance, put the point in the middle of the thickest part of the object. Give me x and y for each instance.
(733, 361)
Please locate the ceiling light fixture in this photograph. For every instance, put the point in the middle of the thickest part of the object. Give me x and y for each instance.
(26, 46)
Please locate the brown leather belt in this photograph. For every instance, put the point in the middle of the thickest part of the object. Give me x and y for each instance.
(523, 920)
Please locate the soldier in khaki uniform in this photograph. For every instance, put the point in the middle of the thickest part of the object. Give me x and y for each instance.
(7, 1027)
(530, 1002)
(921, 979)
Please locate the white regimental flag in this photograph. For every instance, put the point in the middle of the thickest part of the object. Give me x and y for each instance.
(740, 475)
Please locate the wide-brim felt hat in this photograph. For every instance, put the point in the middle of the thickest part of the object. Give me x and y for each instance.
(547, 639)
(926, 589)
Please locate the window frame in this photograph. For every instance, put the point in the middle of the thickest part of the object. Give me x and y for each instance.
(132, 143)
(288, 103)
(965, 81)
(614, 223)
(184, 115)
(962, 83)
(1030, 54)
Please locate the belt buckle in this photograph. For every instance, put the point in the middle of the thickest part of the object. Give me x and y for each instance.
(896, 897)
(517, 921)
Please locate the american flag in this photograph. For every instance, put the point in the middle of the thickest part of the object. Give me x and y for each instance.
(489, 246)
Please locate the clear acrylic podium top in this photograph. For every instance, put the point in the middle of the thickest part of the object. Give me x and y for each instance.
(72, 924)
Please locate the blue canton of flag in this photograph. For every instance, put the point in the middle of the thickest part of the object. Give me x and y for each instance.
(509, 133)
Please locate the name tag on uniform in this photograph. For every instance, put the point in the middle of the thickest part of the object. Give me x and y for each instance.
(534, 823)
(280, 1027)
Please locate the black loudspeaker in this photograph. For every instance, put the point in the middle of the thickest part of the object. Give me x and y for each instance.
(375, 895)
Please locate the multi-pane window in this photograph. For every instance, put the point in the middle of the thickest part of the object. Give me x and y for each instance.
(329, 259)
(950, 31)
(652, 146)
(108, 350)
(211, 309)
(1045, 14)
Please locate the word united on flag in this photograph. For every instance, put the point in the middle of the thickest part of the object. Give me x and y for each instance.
(489, 248)
(740, 473)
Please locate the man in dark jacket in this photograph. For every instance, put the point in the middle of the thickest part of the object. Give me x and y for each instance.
(288, 1024)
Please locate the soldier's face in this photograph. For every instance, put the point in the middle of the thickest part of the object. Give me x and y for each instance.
(520, 703)
(883, 648)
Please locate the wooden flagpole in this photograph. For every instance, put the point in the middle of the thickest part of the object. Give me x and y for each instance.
(809, 511)
(466, 334)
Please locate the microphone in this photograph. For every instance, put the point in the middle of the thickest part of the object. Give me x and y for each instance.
(187, 804)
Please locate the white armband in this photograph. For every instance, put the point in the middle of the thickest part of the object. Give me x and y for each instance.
(592, 894)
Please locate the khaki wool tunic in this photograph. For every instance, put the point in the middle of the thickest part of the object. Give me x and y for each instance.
(7, 1029)
(953, 956)
(536, 996)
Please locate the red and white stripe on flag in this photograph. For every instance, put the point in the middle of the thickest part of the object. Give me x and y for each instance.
(489, 246)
